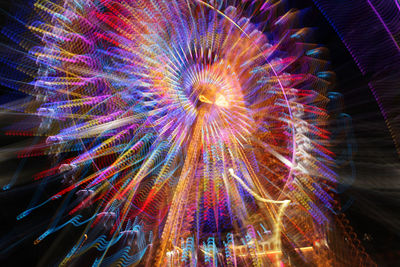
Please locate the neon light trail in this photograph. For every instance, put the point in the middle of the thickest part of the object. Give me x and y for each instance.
(185, 133)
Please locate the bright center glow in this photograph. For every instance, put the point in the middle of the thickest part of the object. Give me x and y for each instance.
(221, 101)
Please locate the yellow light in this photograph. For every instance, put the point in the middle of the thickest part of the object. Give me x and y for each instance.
(204, 99)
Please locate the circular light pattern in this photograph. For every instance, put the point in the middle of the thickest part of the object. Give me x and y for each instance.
(194, 130)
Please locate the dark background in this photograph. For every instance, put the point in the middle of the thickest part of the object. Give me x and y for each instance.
(372, 201)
